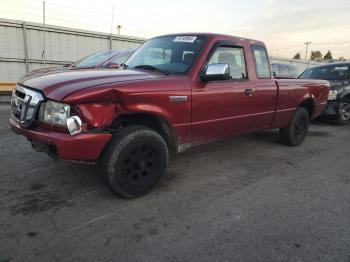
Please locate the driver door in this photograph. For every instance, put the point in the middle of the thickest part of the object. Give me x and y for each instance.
(223, 108)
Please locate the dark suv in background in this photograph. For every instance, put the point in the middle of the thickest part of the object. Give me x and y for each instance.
(338, 107)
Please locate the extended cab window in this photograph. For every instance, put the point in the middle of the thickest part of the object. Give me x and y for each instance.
(262, 66)
(275, 69)
(234, 57)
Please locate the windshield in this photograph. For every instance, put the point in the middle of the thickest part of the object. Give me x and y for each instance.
(93, 60)
(331, 72)
(169, 54)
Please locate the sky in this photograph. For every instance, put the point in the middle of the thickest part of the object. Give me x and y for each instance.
(283, 25)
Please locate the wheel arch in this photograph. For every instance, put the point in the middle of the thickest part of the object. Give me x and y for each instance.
(156, 123)
(345, 94)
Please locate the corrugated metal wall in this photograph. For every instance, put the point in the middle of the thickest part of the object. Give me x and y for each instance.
(22, 44)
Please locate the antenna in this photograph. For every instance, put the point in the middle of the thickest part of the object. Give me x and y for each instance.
(110, 38)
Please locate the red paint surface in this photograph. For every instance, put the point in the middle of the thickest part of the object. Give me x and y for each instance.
(98, 114)
(84, 147)
(212, 110)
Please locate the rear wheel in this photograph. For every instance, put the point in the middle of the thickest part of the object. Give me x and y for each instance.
(344, 112)
(134, 161)
(296, 131)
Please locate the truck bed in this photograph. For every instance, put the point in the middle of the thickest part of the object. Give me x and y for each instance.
(292, 91)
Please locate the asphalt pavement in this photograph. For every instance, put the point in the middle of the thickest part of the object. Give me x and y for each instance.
(244, 199)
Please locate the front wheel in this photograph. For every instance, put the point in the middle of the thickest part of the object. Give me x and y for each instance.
(296, 131)
(344, 112)
(134, 161)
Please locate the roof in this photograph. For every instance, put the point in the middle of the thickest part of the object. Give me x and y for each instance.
(333, 64)
(215, 35)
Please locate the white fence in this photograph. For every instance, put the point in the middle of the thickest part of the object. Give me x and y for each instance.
(22, 46)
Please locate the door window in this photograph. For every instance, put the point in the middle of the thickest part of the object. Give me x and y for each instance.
(234, 57)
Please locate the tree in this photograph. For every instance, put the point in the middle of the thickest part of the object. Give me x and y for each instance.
(328, 55)
(297, 56)
(315, 55)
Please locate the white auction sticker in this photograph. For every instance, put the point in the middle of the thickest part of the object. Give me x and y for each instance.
(341, 68)
(185, 38)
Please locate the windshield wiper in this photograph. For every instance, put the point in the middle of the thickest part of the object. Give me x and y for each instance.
(150, 67)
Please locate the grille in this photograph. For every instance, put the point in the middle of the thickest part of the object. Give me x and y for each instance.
(24, 105)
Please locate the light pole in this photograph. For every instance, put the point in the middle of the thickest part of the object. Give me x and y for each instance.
(307, 47)
(44, 29)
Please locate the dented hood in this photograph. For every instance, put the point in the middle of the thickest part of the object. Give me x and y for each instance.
(57, 85)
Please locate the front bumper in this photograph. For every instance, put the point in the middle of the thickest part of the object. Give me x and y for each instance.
(82, 147)
(332, 108)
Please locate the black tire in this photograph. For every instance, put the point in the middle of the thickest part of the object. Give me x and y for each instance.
(343, 117)
(133, 161)
(296, 131)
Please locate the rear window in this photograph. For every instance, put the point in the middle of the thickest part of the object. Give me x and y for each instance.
(261, 60)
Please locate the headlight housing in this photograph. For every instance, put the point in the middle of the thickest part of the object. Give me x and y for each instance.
(54, 113)
(332, 95)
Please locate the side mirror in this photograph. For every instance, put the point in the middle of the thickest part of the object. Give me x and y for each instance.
(274, 74)
(216, 72)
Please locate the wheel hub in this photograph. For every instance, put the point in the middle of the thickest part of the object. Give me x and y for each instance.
(139, 165)
(345, 111)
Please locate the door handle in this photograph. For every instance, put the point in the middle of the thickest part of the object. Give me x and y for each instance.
(249, 92)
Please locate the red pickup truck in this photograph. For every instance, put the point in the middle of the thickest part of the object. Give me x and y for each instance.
(174, 92)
